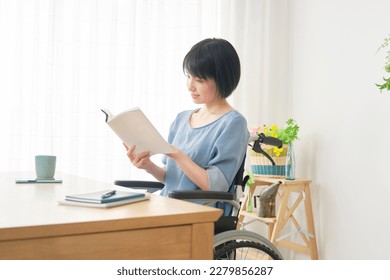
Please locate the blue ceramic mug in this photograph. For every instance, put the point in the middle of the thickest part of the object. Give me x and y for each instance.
(45, 166)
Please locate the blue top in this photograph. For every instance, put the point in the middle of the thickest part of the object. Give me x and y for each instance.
(219, 147)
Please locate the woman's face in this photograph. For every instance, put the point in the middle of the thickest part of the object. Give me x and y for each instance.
(202, 91)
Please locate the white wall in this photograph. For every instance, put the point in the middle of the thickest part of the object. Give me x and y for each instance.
(344, 122)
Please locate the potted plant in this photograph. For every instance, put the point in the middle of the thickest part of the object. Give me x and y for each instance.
(287, 134)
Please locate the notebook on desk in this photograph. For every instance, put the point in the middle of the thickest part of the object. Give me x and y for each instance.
(103, 205)
(104, 199)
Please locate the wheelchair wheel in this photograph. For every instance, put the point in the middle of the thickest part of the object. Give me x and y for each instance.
(244, 245)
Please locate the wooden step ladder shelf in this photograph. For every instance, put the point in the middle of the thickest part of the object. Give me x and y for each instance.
(285, 213)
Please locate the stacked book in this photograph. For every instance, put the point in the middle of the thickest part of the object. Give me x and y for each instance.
(104, 199)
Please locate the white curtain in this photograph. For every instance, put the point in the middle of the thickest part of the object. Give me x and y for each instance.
(61, 61)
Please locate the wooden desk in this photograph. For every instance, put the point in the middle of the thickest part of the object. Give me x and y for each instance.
(285, 213)
(34, 226)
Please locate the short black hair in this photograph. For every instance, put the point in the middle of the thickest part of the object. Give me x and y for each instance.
(214, 59)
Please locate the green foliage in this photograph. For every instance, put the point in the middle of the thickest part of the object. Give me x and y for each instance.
(251, 179)
(289, 133)
(386, 84)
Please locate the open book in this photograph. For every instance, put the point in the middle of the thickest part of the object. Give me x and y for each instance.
(134, 128)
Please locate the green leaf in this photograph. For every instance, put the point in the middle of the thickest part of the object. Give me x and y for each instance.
(385, 85)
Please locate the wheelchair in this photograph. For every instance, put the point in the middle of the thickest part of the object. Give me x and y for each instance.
(230, 243)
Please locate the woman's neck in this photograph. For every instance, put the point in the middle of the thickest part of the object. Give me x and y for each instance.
(209, 113)
(217, 108)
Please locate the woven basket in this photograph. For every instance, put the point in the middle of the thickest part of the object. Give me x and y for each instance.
(261, 165)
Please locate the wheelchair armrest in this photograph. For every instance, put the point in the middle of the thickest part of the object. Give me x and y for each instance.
(149, 186)
(201, 195)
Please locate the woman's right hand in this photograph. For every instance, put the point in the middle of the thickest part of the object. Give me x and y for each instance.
(141, 160)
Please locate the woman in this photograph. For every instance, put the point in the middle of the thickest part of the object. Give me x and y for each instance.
(210, 142)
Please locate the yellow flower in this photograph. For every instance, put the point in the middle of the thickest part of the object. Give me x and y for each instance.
(278, 151)
(287, 134)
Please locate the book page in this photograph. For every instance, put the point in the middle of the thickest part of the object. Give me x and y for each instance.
(134, 128)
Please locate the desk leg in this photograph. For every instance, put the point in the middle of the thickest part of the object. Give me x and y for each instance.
(280, 221)
(310, 224)
(271, 227)
(241, 217)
